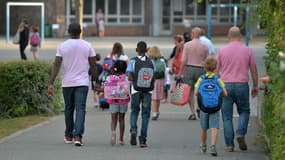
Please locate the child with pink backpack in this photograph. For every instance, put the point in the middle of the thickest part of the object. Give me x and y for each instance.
(117, 93)
(35, 41)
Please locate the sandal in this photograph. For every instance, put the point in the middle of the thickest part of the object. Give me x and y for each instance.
(192, 117)
(121, 142)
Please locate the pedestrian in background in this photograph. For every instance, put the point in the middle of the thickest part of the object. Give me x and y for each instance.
(24, 31)
(193, 56)
(234, 62)
(100, 23)
(76, 55)
(35, 41)
(176, 53)
(141, 71)
(205, 40)
(118, 53)
(159, 82)
(93, 80)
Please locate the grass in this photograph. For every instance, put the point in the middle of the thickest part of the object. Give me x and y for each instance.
(10, 126)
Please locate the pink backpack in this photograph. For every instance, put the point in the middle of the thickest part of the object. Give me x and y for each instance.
(35, 39)
(117, 90)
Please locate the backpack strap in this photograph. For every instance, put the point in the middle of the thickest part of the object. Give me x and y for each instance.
(204, 76)
(215, 77)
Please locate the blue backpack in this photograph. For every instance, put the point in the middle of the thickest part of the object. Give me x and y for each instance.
(209, 94)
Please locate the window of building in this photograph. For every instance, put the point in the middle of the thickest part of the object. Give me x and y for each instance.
(124, 12)
(116, 11)
(87, 7)
(125, 7)
(112, 7)
(195, 11)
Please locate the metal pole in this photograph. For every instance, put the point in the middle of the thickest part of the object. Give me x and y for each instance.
(7, 22)
(209, 18)
(43, 23)
(235, 15)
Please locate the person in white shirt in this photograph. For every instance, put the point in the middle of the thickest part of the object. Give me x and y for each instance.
(207, 42)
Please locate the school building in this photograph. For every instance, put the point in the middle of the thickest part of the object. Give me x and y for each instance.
(128, 17)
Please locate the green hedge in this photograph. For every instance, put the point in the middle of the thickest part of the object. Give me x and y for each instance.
(23, 89)
(273, 111)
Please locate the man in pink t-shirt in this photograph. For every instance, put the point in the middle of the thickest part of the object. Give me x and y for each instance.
(76, 55)
(193, 56)
(234, 62)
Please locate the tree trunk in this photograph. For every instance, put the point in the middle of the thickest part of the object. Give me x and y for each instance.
(79, 14)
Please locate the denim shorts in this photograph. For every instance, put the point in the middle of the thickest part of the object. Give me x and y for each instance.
(118, 108)
(209, 120)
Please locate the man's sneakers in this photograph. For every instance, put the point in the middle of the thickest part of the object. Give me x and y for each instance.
(68, 140)
(133, 141)
(143, 144)
(241, 142)
(78, 142)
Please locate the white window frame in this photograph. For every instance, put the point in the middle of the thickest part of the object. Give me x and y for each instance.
(40, 4)
(117, 16)
(196, 19)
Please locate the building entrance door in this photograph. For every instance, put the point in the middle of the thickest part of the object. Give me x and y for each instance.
(165, 14)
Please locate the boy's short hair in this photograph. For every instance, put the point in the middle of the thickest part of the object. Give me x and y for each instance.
(141, 47)
(210, 64)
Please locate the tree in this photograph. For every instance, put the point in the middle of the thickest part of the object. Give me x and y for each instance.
(79, 13)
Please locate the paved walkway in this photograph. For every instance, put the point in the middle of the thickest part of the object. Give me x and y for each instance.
(171, 137)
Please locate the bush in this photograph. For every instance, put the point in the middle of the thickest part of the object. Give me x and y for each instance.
(23, 89)
(273, 111)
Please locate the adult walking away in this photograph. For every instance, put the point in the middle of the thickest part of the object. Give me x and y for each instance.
(193, 56)
(24, 31)
(76, 56)
(141, 70)
(234, 61)
(205, 40)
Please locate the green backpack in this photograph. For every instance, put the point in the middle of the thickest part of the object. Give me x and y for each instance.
(160, 68)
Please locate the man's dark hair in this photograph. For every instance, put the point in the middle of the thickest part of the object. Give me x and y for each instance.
(74, 29)
(141, 47)
(25, 20)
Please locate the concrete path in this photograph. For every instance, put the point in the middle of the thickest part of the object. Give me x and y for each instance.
(172, 137)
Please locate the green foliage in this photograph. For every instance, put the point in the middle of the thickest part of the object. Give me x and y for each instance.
(272, 15)
(23, 89)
